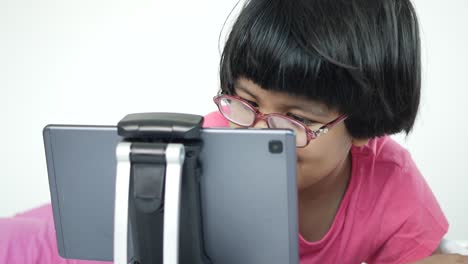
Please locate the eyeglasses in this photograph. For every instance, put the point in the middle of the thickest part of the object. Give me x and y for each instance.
(242, 113)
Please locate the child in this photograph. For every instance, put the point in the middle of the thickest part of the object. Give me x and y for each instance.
(343, 74)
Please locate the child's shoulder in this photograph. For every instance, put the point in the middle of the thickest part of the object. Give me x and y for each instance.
(215, 119)
(386, 166)
(396, 202)
(383, 150)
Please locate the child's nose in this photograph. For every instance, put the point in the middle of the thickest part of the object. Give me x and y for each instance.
(260, 124)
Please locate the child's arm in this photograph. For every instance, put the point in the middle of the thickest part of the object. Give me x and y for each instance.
(458, 254)
(444, 259)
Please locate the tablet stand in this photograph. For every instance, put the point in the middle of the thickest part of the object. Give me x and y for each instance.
(157, 194)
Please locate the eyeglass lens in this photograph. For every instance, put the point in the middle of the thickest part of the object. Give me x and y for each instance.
(241, 114)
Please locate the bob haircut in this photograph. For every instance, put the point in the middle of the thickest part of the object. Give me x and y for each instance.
(359, 57)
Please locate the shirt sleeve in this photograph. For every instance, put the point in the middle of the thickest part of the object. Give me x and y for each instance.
(418, 237)
(418, 223)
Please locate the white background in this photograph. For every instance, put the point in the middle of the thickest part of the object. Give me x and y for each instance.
(94, 61)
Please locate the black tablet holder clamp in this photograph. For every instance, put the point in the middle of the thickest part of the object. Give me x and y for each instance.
(157, 194)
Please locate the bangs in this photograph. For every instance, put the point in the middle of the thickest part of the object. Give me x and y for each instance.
(267, 47)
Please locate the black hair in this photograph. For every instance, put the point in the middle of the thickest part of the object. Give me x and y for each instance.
(360, 57)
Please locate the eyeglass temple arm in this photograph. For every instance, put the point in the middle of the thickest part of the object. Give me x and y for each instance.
(324, 129)
(336, 121)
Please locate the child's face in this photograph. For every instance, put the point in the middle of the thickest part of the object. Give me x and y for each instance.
(323, 157)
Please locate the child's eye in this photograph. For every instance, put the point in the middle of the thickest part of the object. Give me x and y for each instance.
(306, 121)
(254, 104)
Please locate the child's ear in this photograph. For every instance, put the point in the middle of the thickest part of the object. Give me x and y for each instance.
(359, 142)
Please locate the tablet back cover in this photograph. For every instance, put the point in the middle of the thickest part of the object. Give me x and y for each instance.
(249, 199)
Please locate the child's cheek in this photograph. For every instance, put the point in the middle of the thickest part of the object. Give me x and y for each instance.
(232, 125)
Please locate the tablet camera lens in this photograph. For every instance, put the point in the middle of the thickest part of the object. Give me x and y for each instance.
(275, 146)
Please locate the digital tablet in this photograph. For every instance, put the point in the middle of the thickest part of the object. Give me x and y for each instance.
(248, 193)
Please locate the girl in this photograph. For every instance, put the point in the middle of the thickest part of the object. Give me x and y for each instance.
(343, 74)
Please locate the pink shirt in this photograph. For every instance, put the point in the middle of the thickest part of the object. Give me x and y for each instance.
(388, 215)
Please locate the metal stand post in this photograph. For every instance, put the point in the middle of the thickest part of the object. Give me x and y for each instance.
(150, 190)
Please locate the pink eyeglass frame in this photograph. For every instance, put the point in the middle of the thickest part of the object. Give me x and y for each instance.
(311, 134)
